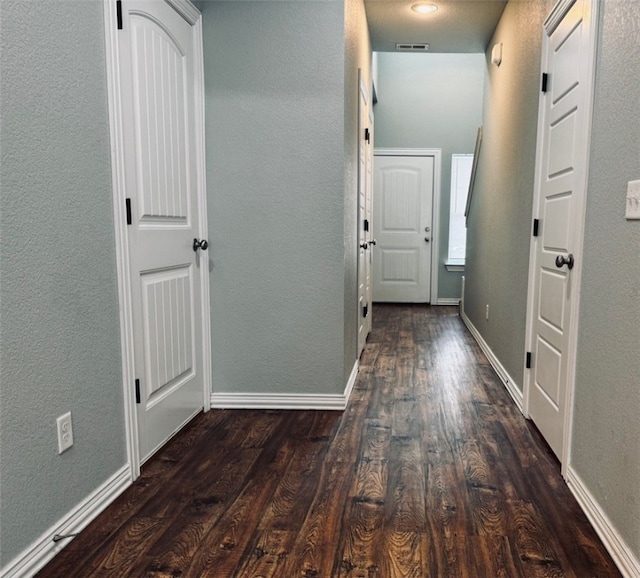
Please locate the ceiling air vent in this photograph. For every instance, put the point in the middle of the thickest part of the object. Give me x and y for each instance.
(412, 47)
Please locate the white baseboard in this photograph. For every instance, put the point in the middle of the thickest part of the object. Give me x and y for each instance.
(622, 555)
(352, 381)
(36, 556)
(504, 376)
(448, 301)
(335, 401)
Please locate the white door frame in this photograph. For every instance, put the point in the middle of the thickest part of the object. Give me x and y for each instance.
(435, 236)
(558, 12)
(192, 15)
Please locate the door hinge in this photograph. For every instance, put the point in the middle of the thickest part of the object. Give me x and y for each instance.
(536, 227)
(366, 224)
(528, 364)
(137, 391)
(367, 135)
(128, 205)
(545, 81)
(365, 310)
(119, 13)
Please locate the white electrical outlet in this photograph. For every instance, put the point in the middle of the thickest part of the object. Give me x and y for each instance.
(486, 313)
(65, 432)
(633, 200)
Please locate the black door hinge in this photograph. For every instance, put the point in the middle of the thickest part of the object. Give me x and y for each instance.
(528, 364)
(367, 135)
(366, 224)
(137, 391)
(545, 81)
(365, 310)
(536, 227)
(128, 205)
(119, 13)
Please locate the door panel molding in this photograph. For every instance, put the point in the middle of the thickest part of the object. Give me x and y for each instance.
(123, 262)
(558, 12)
(435, 218)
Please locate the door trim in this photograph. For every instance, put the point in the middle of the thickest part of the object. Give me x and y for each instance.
(550, 24)
(113, 73)
(435, 206)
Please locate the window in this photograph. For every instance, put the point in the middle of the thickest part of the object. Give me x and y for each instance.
(460, 177)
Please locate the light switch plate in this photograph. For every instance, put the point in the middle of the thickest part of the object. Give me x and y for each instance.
(633, 200)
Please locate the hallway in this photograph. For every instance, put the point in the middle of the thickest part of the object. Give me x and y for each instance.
(431, 471)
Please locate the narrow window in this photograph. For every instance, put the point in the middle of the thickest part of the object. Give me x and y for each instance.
(460, 177)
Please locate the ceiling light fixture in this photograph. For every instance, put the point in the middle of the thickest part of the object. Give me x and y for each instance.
(424, 8)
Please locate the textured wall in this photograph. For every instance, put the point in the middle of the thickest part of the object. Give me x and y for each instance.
(60, 346)
(431, 101)
(606, 433)
(357, 55)
(275, 179)
(499, 227)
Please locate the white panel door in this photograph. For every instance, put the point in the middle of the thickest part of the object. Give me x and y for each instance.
(402, 205)
(365, 241)
(562, 179)
(371, 241)
(156, 48)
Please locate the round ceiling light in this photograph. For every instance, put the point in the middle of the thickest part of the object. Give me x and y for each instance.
(424, 8)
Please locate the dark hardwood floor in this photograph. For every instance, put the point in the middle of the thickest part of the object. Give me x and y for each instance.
(431, 471)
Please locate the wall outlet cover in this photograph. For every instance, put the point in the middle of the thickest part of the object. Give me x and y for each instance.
(65, 432)
(633, 200)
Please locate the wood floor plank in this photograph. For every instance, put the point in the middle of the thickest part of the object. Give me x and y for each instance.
(537, 549)
(222, 549)
(448, 557)
(447, 502)
(267, 559)
(431, 471)
(486, 498)
(288, 506)
(361, 539)
(314, 553)
(492, 556)
(174, 550)
(402, 555)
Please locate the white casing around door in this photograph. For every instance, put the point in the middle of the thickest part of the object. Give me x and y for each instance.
(157, 67)
(403, 228)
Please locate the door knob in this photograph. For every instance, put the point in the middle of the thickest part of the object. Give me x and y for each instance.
(426, 239)
(373, 242)
(200, 244)
(364, 245)
(427, 229)
(568, 261)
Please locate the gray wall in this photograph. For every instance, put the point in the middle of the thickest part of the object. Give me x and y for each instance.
(431, 101)
(606, 434)
(60, 347)
(499, 227)
(275, 179)
(357, 56)
(606, 429)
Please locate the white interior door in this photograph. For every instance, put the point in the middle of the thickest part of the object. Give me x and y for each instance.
(157, 65)
(562, 158)
(365, 241)
(371, 241)
(402, 205)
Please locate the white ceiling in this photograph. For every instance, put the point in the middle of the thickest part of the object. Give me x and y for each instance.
(457, 26)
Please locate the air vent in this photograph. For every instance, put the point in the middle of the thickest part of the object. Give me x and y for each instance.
(412, 47)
